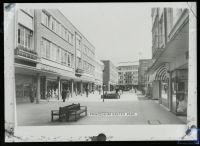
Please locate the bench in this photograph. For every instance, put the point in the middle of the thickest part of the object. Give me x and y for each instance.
(76, 110)
(61, 113)
(64, 112)
(110, 96)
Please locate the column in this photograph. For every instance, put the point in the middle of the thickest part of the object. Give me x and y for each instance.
(45, 87)
(38, 88)
(170, 91)
(72, 87)
(61, 88)
(58, 79)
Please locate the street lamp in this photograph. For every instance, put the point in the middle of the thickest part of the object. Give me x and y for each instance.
(103, 91)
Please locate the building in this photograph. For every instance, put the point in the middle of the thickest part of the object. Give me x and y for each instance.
(170, 49)
(50, 55)
(99, 67)
(110, 76)
(128, 75)
(144, 64)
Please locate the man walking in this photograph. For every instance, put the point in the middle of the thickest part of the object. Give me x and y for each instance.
(86, 90)
(68, 93)
(63, 95)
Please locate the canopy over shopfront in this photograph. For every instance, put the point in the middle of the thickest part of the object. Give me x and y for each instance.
(161, 74)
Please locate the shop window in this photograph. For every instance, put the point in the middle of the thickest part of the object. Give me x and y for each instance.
(179, 92)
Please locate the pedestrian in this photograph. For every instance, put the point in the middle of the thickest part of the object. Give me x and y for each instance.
(117, 92)
(48, 94)
(63, 95)
(99, 90)
(86, 90)
(31, 95)
(68, 93)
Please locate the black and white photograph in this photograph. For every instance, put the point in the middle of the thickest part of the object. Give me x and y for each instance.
(100, 71)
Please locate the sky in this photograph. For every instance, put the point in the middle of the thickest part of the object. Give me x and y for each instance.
(120, 32)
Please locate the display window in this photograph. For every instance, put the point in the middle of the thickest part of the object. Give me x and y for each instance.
(180, 92)
(164, 93)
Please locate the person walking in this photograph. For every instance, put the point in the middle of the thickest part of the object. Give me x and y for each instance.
(63, 95)
(31, 95)
(117, 92)
(86, 90)
(99, 90)
(68, 93)
(48, 94)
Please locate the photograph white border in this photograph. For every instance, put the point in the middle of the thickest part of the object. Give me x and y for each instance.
(113, 132)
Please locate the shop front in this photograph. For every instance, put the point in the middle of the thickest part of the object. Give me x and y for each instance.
(164, 100)
(180, 91)
(25, 84)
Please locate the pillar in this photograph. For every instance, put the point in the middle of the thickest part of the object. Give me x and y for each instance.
(170, 91)
(45, 87)
(38, 88)
(61, 88)
(72, 87)
(58, 79)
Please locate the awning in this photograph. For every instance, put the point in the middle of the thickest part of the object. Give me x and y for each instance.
(160, 73)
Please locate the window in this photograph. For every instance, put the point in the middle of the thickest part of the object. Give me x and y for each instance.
(43, 48)
(47, 49)
(66, 35)
(45, 19)
(71, 38)
(57, 27)
(63, 57)
(57, 54)
(25, 37)
(62, 32)
(72, 60)
(53, 25)
(69, 60)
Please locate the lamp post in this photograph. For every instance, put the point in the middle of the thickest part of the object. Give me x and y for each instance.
(103, 91)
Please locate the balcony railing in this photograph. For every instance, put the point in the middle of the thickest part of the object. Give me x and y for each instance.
(24, 52)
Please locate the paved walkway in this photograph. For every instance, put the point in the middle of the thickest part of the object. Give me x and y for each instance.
(129, 109)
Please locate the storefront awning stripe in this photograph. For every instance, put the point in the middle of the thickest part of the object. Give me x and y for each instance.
(161, 73)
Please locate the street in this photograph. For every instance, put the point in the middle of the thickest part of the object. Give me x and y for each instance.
(131, 108)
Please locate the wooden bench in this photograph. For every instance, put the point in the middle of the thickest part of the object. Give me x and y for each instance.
(61, 113)
(64, 112)
(76, 110)
(110, 96)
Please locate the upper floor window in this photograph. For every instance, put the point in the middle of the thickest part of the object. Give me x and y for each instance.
(45, 48)
(25, 37)
(45, 19)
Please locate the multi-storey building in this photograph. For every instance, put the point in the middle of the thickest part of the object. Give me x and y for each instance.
(110, 76)
(169, 72)
(99, 67)
(50, 55)
(144, 64)
(127, 75)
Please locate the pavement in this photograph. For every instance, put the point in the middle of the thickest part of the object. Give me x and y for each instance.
(131, 108)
